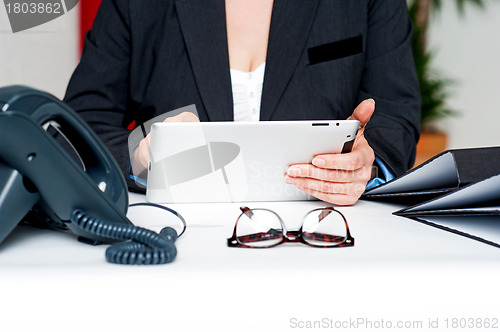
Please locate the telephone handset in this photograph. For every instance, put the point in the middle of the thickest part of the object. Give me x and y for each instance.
(37, 174)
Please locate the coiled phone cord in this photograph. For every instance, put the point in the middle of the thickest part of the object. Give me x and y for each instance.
(145, 247)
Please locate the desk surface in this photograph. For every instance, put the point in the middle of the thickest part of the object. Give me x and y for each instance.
(399, 271)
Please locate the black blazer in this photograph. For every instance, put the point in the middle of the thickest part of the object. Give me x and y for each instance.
(143, 58)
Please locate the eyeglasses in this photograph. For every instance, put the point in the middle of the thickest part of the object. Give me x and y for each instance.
(263, 228)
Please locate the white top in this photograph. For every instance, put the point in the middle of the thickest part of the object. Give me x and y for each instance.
(247, 93)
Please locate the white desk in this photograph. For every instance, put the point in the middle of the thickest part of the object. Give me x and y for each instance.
(399, 271)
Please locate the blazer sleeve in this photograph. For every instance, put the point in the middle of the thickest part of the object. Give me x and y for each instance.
(98, 89)
(389, 77)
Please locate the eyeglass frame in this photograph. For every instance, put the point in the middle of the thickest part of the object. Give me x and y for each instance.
(233, 242)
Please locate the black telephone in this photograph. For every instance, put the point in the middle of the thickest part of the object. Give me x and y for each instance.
(39, 177)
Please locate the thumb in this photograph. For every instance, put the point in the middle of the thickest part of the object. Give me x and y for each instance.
(363, 112)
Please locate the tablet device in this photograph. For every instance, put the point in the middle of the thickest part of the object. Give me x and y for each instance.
(237, 161)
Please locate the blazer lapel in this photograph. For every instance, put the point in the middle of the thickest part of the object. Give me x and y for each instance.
(203, 25)
(287, 38)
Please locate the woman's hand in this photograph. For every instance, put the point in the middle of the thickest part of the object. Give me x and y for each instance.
(140, 158)
(339, 178)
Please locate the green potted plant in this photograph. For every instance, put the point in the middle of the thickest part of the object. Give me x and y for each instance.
(434, 87)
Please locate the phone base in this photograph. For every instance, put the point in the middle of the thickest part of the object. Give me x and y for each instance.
(15, 200)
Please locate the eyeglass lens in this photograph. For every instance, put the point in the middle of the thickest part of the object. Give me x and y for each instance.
(324, 227)
(259, 228)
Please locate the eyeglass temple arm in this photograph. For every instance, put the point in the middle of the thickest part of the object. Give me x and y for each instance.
(326, 211)
(325, 237)
(291, 235)
(246, 210)
(261, 236)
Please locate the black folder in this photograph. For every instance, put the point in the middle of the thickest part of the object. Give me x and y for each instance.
(472, 211)
(441, 174)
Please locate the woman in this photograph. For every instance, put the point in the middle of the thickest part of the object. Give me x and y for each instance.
(314, 59)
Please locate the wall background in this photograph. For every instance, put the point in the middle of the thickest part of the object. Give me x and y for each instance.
(43, 57)
(467, 50)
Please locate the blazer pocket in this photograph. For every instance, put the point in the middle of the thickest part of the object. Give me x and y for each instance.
(335, 50)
